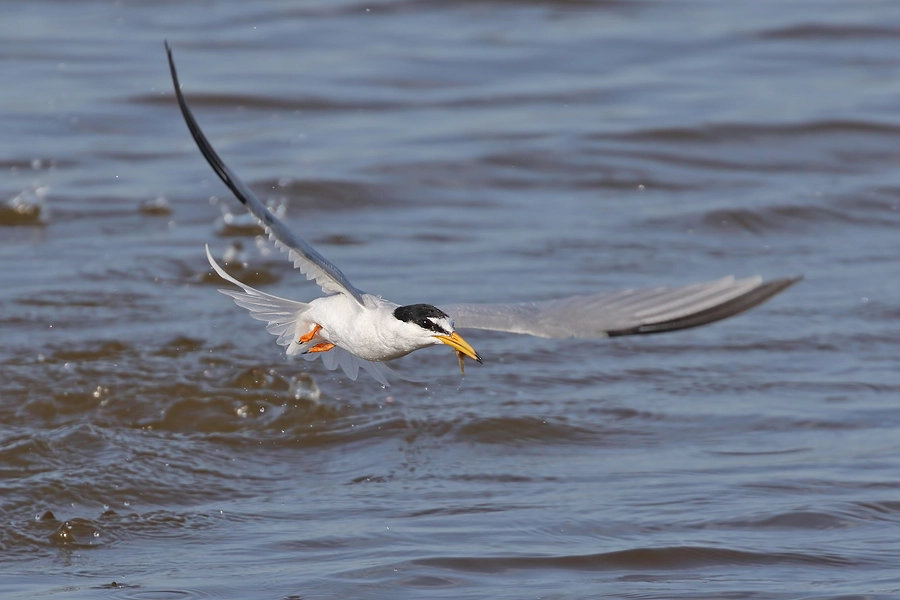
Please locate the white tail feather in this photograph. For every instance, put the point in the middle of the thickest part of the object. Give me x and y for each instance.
(285, 319)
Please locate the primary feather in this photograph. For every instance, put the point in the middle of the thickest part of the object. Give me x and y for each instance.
(622, 313)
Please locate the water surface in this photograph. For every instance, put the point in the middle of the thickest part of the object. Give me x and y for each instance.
(155, 442)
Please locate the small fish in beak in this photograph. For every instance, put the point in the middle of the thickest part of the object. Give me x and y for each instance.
(462, 347)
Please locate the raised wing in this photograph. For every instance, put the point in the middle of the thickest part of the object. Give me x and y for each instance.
(304, 256)
(622, 313)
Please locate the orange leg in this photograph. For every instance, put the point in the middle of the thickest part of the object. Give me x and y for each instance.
(323, 347)
(306, 337)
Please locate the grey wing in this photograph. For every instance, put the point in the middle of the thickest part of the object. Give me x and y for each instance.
(304, 256)
(622, 313)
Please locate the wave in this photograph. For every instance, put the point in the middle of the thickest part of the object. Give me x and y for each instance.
(640, 559)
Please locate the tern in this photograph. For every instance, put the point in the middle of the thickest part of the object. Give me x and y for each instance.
(353, 329)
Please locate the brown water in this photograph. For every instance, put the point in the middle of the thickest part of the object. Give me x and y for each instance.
(155, 443)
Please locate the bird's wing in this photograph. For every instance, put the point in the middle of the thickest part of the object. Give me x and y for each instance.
(622, 313)
(304, 256)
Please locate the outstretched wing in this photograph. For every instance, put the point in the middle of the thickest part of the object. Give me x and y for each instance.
(622, 313)
(304, 256)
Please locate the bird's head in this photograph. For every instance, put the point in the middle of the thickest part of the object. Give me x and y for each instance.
(436, 327)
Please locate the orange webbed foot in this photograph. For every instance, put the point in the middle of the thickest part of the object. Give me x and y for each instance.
(323, 347)
(308, 336)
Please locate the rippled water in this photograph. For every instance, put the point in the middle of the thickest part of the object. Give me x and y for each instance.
(155, 443)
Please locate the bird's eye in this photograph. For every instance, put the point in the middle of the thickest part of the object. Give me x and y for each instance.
(431, 325)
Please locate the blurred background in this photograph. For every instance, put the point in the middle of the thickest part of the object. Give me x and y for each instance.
(156, 443)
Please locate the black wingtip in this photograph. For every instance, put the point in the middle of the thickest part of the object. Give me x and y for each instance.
(733, 307)
(203, 144)
(171, 61)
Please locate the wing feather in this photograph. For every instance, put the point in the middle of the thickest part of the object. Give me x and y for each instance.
(627, 312)
(304, 256)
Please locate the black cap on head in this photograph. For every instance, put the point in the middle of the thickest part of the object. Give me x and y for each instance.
(422, 315)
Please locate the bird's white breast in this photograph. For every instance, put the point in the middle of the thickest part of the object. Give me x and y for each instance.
(371, 332)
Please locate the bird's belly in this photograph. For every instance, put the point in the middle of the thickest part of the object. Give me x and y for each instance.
(360, 332)
(364, 342)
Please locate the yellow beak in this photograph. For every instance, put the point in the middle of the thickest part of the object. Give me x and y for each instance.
(455, 341)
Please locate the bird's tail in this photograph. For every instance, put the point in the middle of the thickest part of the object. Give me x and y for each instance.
(285, 317)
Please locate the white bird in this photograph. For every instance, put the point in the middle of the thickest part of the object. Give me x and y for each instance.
(352, 329)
